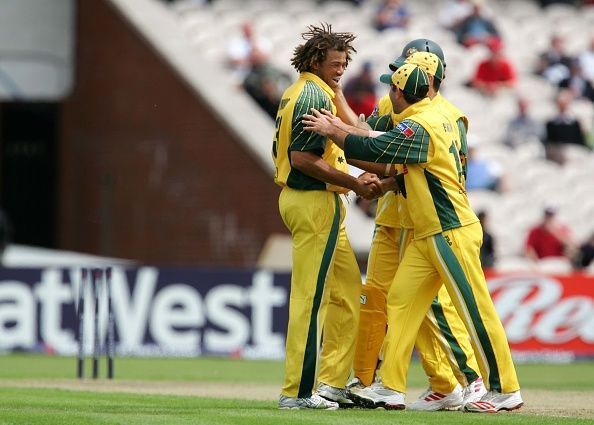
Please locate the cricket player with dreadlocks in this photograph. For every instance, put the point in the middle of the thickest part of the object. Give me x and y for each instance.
(326, 280)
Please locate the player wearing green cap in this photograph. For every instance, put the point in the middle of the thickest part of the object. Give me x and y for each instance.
(443, 343)
(453, 356)
(446, 241)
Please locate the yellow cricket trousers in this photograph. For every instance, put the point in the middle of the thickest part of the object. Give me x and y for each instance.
(451, 257)
(442, 342)
(325, 289)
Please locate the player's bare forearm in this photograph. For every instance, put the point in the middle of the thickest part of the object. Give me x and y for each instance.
(389, 184)
(314, 166)
(346, 113)
(343, 109)
(373, 167)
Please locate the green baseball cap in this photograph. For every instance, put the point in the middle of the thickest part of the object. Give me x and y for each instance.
(429, 62)
(409, 78)
(418, 45)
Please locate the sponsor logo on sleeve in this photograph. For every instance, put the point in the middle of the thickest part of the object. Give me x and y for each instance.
(405, 129)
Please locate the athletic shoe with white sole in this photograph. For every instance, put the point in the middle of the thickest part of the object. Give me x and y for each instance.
(376, 395)
(355, 387)
(338, 395)
(313, 402)
(432, 401)
(494, 401)
(474, 391)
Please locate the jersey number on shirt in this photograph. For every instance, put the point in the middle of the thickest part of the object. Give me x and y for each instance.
(276, 134)
(454, 151)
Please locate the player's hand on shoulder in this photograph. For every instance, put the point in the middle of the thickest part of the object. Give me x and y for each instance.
(318, 121)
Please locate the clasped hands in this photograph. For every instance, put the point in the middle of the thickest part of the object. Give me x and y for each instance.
(368, 186)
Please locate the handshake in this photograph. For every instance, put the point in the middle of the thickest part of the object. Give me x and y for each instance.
(369, 186)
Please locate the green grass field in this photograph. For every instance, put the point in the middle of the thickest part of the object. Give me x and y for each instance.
(24, 400)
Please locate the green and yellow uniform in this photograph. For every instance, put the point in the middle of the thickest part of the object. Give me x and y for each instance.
(445, 248)
(381, 268)
(442, 342)
(443, 325)
(325, 281)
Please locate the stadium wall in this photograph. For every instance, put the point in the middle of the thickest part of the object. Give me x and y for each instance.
(148, 171)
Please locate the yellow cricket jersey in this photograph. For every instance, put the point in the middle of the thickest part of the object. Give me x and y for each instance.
(308, 92)
(461, 120)
(387, 205)
(446, 107)
(427, 144)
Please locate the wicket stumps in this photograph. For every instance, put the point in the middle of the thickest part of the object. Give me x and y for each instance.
(95, 289)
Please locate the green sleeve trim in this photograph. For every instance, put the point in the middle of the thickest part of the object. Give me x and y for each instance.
(407, 143)
(311, 97)
(381, 122)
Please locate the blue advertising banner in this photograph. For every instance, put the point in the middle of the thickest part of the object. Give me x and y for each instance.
(165, 311)
(244, 313)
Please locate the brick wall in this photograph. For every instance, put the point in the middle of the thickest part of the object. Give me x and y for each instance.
(147, 171)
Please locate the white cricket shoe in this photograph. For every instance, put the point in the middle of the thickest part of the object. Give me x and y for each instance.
(431, 401)
(355, 387)
(313, 402)
(494, 401)
(338, 395)
(474, 391)
(376, 395)
(355, 382)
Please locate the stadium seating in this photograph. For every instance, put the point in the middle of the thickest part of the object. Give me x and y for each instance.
(526, 30)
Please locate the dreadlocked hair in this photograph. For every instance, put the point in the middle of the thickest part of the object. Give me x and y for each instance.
(319, 41)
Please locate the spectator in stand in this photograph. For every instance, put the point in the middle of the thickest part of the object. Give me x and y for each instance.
(359, 91)
(482, 173)
(522, 128)
(243, 49)
(586, 60)
(476, 28)
(549, 238)
(193, 2)
(353, 2)
(585, 254)
(369, 207)
(554, 63)
(266, 84)
(561, 130)
(453, 12)
(391, 14)
(545, 3)
(579, 86)
(494, 73)
(488, 246)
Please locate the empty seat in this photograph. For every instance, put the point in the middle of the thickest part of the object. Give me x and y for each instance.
(554, 265)
(514, 264)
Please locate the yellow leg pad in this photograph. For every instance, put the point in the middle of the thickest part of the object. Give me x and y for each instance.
(372, 330)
